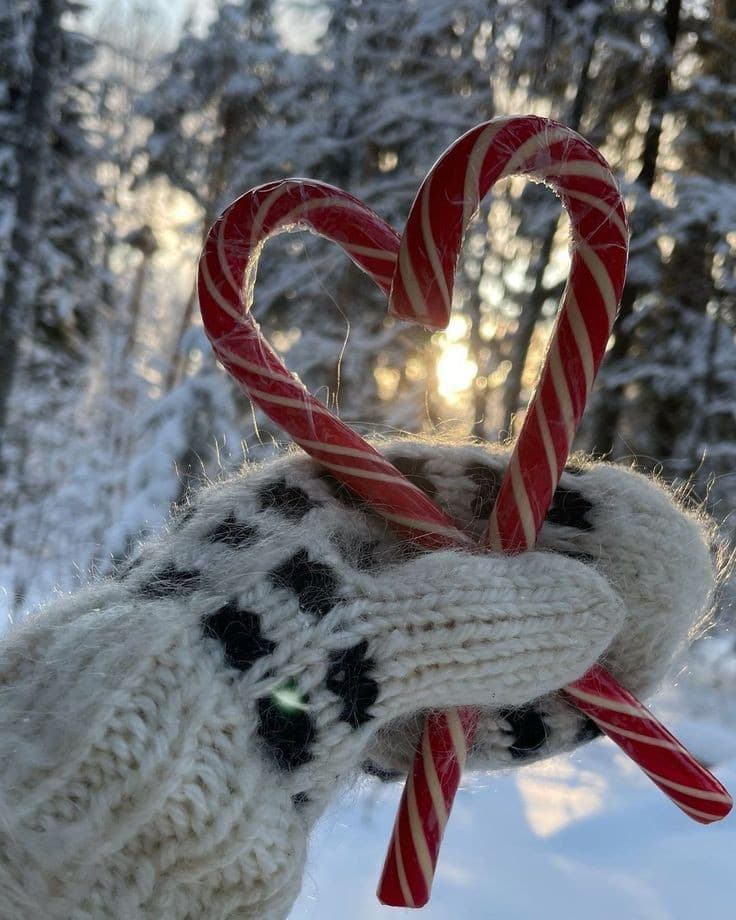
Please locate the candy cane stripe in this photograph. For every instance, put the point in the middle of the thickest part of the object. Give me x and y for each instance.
(433, 783)
(403, 882)
(580, 334)
(431, 249)
(549, 448)
(256, 369)
(522, 502)
(418, 838)
(705, 817)
(340, 449)
(257, 237)
(493, 538)
(224, 262)
(652, 740)
(475, 163)
(563, 394)
(220, 300)
(541, 141)
(293, 217)
(368, 474)
(457, 735)
(604, 207)
(696, 793)
(307, 405)
(411, 286)
(582, 169)
(605, 703)
(381, 255)
(600, 273)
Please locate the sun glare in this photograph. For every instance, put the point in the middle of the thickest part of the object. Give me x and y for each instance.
(455, 372)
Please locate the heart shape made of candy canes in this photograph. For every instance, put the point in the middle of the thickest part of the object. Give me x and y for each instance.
(225, 285)
(417, 271)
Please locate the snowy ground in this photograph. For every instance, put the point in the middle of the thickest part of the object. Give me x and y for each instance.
(583, 836)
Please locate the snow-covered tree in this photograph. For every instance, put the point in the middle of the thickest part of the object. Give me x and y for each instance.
(383, 91)
(54, 285)
(668, 386)
(217, 92)
(215, 95)
(51, 199)
(389, 87)
(31, 40)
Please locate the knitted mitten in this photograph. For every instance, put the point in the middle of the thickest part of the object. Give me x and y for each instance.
(169, 737)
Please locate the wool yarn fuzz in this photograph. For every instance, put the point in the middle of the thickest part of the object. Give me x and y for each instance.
(169, 736)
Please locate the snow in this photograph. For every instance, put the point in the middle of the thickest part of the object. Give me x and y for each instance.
(583, 835)
(104, 456)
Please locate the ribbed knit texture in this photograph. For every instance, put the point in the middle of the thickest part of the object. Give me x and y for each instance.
(169, 737)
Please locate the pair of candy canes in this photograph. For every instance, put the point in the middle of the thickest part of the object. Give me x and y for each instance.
(416, 271)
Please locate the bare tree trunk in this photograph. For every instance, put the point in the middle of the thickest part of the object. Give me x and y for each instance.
(134, 307)
(524, 331)
(607, 418)
(701, 432)
(533, 307)
(14, 306)
(175, 369)
(144, 240)
(176, 364)
(479, 394)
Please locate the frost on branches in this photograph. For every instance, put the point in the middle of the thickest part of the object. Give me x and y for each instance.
(118, 406)
(121, 139)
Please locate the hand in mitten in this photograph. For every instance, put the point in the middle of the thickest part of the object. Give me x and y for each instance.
(168, 738)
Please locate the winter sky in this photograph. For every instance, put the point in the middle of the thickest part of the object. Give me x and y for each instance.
(300, 22)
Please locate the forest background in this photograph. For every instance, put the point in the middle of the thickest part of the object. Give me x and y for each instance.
(125, 128)
(124, 135)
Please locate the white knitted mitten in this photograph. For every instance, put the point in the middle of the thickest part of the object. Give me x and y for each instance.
(169, 737)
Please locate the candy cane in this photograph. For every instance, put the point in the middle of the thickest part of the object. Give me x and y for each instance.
(225, 286)
(659, 754)
(419, 274)
(422, 291)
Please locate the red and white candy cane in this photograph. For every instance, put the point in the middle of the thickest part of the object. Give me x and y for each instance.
(225, 283)
(422, 291)
(226, 279)
(659, 754)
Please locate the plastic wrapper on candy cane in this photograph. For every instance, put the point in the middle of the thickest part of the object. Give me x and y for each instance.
(418, 271)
